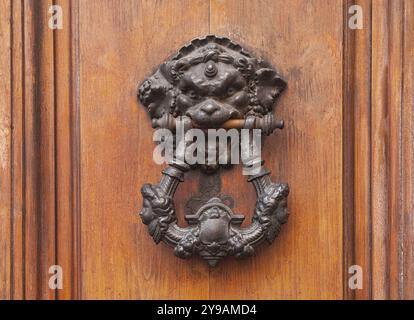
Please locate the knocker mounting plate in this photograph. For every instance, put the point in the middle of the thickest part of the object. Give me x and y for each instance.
(213, 83)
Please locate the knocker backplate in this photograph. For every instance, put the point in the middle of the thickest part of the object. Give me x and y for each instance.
(213, 83)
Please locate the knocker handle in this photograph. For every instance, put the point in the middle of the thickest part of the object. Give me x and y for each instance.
(267, 123)
(214, 231)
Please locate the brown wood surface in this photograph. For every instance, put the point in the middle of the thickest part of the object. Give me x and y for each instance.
(356, 152)
(386, 166)
(5, 147)
(67, 150)
(306, 260)
(120, 44)
(407, 167)
(378, 150)
(75, 147)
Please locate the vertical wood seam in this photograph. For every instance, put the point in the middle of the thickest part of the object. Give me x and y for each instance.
(356, 195)
(347, 146)
(370, 153)
(407, 153)
(68, 256)
(11, 289)
(76, 152)
(39, 173)
(55, 142)
(386, 151)
(24, 153)
(401, 177)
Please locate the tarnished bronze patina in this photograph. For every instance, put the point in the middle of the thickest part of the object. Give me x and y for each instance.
(213, 83)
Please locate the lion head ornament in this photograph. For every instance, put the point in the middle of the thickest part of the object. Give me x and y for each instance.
(211, 80)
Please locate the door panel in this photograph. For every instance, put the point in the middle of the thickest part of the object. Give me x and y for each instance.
(304, 41)
(76, 146)
(119, 259)
(117, 51)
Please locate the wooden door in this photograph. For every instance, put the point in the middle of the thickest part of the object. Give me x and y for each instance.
(76, 146)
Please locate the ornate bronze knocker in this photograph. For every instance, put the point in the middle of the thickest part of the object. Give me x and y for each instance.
(213, 83)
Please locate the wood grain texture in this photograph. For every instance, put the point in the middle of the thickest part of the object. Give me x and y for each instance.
(120, 43)
(44, 174)
(17, 154)
(39, 150)
(5, 150)
(386, 146)
(395, 144)
(303, 39)
(407, 173)
(67, 150)
(377, 145)
(32, 150)
(356, 152)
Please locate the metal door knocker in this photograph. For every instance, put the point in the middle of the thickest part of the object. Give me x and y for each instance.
(213, 83)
